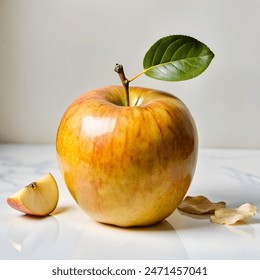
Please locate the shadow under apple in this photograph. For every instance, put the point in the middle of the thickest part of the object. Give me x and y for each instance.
(100, 241)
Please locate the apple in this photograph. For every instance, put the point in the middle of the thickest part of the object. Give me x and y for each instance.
(127, 165)
(39, 198)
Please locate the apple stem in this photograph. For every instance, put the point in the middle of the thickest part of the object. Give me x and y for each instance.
(32, 185)
(120, 70)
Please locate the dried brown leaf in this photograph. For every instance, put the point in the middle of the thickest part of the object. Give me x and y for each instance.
(199, 205)
(230, 216)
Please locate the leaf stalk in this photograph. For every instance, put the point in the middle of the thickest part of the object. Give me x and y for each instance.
(136, 76)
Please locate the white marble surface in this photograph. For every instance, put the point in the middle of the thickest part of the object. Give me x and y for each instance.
(229, 175)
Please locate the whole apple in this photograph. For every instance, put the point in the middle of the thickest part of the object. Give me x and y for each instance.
(127, 165)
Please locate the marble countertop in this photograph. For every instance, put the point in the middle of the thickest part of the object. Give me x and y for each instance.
(226, 175)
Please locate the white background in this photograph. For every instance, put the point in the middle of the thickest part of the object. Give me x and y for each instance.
(54, 50)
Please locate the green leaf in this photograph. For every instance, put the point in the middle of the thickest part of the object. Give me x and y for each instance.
(176, 58)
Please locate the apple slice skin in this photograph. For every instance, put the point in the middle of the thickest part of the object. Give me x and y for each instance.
(18, 200)
(127, 166)
(17, 205)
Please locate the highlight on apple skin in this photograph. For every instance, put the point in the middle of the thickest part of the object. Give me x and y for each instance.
(127, 165)
(39, 198)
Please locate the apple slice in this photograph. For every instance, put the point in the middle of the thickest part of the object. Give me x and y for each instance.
(39, 198)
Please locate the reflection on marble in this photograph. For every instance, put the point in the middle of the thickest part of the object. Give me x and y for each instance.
(99, 241)
(229, 175)
(25, 232)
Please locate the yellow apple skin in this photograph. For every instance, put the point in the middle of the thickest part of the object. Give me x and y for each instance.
(127, 165)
